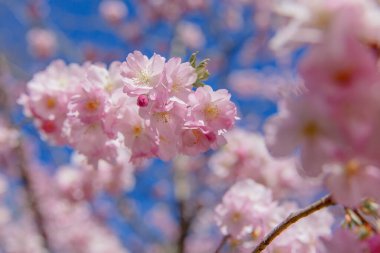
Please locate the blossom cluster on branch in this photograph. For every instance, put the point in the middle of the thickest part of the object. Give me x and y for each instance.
(145, 104)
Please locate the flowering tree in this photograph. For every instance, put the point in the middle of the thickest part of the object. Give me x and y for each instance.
(263, 141)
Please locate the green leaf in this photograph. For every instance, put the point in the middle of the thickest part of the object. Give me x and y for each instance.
(200, 69)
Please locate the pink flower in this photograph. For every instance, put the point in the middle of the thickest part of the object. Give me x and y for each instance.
(197, 139)
(244, 208)
(244, 156)
(352, 182)
(161, 218)
(89, 105)
(264, 83)
(42, 43)
(48, 95)
(140, 74)
(137, 134)
(373, 243)
(113, 11)
(327, 70)
(74, 183)
(213, 108)
(303, 123)
(343, 240)
(91, 141)
(191, 35)
(179, 78)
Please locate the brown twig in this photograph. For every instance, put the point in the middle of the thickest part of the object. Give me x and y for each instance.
(365, 221)
(31, 198)
(221, 244)
(293, 218)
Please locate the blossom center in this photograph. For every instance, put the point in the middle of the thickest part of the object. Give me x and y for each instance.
(322, 19)
(343, 77)
(197, 134)
(211, 112)
(352, 167)
(137, 130)
(310, 130)
(109, 87)
(256, 233)
(162, 116)
(50, 103)
(92, 105)
(236, 216)
(175, 87)
(143, 78)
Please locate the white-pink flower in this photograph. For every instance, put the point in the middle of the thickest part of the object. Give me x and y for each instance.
(213, 108)
(179, 78)
(303, 123)
(141, 74)
(113, 11)
(245, 207)
(352, 182)
(42, 42)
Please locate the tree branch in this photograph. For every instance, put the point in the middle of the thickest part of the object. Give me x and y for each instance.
(31, 197)
(293, 218)
(221, 244)
(364, 221)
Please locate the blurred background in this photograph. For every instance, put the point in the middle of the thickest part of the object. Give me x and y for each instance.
(156, 209)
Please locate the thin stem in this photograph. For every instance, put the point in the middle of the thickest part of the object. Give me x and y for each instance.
(31, 198)
(184, 225)
(293, 218)
(365, 221)
(221, 244)
(186, 213)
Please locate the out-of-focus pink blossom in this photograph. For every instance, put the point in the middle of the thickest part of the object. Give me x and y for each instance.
(244, 208)
(48, 96)
(325, 68)
(191, 35)
(343, 240)
(113, 11)
(373, 243)
(9, 139)
(42, 43)
(161, 218)
(352, 182)
(246, 156)
(303, 122)
(270, 85)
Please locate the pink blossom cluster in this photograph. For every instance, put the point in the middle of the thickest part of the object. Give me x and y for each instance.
(246, 156)
(79, 181)
(70, 226)
(334, 124)
(170, 10)
(265, 83)
(9, 140)
(248, 212)
(113, 11)
(307, 21)
(42, 42)
(346, 241)
(147, 105)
